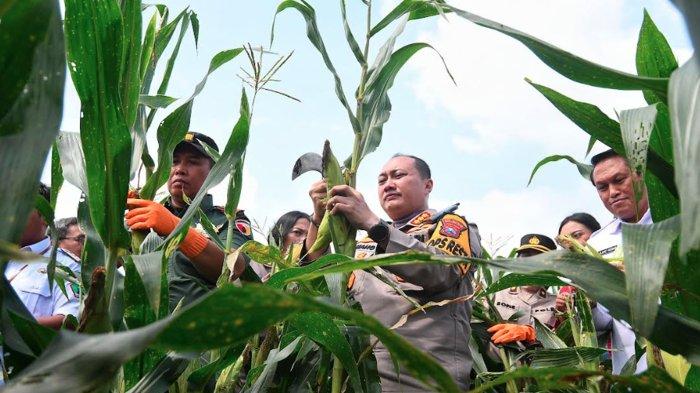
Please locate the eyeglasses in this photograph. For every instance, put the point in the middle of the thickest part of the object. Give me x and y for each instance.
(79, 238)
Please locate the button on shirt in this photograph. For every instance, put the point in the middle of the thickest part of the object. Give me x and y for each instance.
(30, 282)
(608, 242)
(538, 305)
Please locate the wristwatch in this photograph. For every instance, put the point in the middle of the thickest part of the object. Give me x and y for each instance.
(379, 232)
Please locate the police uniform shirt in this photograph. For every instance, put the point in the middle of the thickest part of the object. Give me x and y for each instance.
(185, 281)
(608, 242)
(538, 305)
(441, 331)
(30, 282)
(608, 239)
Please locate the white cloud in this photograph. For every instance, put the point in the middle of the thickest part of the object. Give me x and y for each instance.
(492, 100)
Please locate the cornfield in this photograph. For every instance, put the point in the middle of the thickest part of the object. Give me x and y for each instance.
(298, 331)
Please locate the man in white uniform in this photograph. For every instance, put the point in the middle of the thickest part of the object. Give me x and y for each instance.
(614, 179)
(30, 280)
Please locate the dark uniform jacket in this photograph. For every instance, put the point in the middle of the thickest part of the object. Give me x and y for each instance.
(185, 282)
(441, 331)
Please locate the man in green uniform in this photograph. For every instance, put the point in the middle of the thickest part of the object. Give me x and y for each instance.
(404, 185)
(198, 261)
(529, 302)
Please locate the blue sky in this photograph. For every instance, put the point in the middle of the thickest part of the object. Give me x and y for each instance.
(481, 137)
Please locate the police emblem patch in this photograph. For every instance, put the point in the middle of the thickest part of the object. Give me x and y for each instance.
(452, 228)
(534, 241)
(243, 227)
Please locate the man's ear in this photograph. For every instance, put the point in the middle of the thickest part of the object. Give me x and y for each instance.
(428, 186)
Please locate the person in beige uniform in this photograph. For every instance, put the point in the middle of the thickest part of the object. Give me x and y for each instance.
(529, 302)
(404, 185)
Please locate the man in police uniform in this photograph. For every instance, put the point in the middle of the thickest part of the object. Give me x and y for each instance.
(404, 185)
(529, 302)
(614, 181)
(198, 262)
(30, 281)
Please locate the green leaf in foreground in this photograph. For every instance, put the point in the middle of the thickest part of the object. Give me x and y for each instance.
(684, 104)
(30, 112)
(583, 169)
(227, 316)
(647, 249)
(94, 40)
(654, 56)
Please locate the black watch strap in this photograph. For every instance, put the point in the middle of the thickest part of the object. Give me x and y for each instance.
(379, 232)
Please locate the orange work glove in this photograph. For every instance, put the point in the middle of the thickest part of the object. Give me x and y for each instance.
(144, 215)
(505, 333)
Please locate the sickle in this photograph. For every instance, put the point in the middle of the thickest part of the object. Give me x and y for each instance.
(307, 162)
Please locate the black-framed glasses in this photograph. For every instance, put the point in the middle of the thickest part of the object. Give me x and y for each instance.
(79, 238)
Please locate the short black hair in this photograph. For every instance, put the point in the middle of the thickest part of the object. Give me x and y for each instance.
(598, 158)
(284, 225)
(420, 165)
(63, 225)
(45, 191)
(582, 218)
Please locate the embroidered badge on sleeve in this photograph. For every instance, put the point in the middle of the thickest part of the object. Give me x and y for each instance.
(451, 235)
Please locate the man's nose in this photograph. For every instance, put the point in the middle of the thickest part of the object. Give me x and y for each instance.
(179, 168)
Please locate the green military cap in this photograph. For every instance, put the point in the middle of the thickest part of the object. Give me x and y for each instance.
(197, 141)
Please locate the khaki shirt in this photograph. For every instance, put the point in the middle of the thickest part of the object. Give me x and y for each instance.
(441, 331)
(540, 305)
(184, 281)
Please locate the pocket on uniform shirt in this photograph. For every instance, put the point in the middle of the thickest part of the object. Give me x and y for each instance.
(35, 295)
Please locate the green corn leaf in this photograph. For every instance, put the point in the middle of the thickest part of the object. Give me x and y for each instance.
(646, 250)
(261, 253)
(72, 159)
(210, 229)
(314, 35)
(94, 250)
(31, 102)
(235, 186)
(654, 55)
(156, 101)
(583, 169)
(264, 377)
(321, 328)
(147, 49)
(595, 123)
(165, 373)
(130, 82)
(416, 9)
(94, 38)
(556, 378)
(199, 378)
(547, 337)
(194, 21)
(349, 37)
(684, 105)
(77, 362)
(564, 357)
(515, 280)
(36, 336)
(56, 175)
(376, 104)
(602, 282)
(233, 152)
(342, 233)
(138, 312)
(174, 127)
(570, 65)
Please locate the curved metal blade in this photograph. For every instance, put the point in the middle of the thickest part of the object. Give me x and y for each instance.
(307, 162)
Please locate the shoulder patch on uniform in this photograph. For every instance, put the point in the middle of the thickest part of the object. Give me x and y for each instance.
(452, 237)
(243, 227)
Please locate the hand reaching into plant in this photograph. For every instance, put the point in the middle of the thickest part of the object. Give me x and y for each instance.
(350, 203)
(505, 333)
(144, 215)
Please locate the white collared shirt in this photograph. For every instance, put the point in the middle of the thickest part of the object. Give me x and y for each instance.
(608, 239)
(30, 282)
(608, 242)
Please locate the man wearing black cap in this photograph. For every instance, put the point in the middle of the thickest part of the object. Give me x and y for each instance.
(531, 302)
(198, 262)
